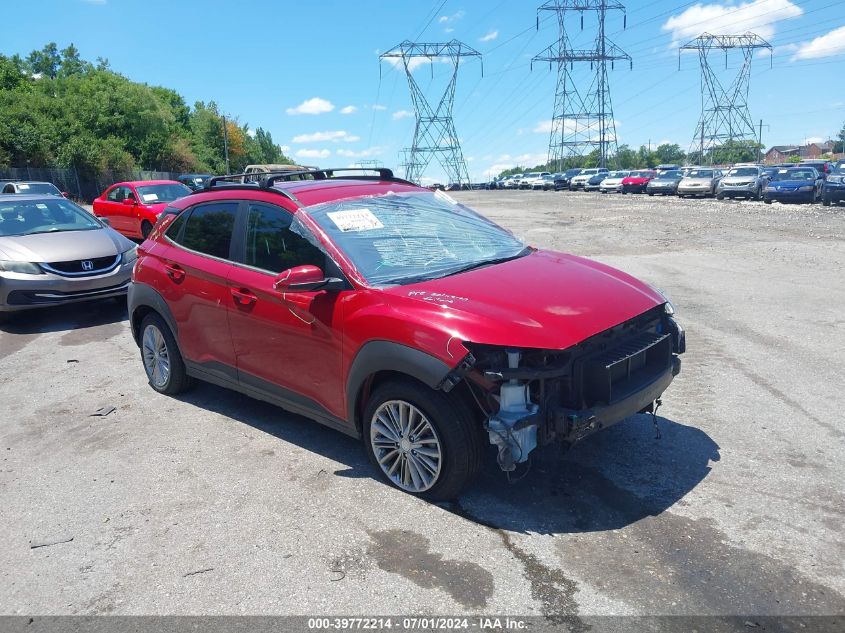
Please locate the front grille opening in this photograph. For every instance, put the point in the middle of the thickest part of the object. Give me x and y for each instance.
(623, 370)
(76, 267)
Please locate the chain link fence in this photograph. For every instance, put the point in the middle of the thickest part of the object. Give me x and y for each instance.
(80, 186)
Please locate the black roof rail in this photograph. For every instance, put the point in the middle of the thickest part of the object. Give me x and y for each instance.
(325, 174)
(254, 177)
(245, 186)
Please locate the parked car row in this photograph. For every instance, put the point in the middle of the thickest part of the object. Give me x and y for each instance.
(808, 181)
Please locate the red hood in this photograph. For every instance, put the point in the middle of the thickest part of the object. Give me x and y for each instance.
(544, 300)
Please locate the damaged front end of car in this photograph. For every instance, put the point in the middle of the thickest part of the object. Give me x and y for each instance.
(535, 397)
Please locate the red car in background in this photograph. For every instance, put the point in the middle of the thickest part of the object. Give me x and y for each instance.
(637, 181)
(132, 208)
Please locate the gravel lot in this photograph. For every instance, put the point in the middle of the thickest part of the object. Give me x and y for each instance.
(214, 503)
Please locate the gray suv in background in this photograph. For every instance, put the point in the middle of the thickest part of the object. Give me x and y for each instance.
(53, 252)
(743, 181)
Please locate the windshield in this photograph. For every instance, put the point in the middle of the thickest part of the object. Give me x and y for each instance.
(839, 169)
(700, 173)
(153, 194)
(617, 174)
(43, 216)
(794, 174)
(668, 175)
(743, 171)
(409, 237)
(640, 174)
(38, 187)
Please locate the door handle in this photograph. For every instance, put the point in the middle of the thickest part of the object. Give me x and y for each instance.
(243, 297)
(174, 272)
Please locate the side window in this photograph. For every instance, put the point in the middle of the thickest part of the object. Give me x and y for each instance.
(209, 229)
(115, 195)
(272, 246)
(173, 230)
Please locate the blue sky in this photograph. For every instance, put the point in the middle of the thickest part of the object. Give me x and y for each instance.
(309, 71)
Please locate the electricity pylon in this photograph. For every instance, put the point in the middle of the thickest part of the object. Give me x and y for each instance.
(434, 134)
(582, 120)
(724, 112)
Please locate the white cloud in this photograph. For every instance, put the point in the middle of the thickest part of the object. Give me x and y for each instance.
(492, 35)
(312, 106)
(443, 19)
(320, 137)
(285, 149)
(379, 107)
(251, 133)
(827, 45)
(757, 16)
(350, 109)
(413, 62)
(814, 139)
(365, 153)
(570, 126)
(402, 114)
(313, 153)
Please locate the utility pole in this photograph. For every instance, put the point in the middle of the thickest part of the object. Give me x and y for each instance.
(226, 143)
(582, 121)
(434, 133)
(724, 111)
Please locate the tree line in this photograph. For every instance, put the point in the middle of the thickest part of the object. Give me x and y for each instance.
(58, 110)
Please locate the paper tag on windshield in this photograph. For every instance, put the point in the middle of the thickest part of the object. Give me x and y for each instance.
(445, 196)
(43, 207)
(149, 197)
(23, 186)
(355, 220)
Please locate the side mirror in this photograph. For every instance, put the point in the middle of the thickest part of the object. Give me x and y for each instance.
(305, 278)
(130, 202)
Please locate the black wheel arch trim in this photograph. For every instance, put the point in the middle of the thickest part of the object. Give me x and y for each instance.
(142, 295)
(376, 356)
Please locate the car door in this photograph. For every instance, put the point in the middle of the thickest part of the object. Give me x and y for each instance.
(286, 343)
(114, 209)
(195, 263)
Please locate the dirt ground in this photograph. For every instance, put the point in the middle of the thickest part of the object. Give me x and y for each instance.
(215, 503)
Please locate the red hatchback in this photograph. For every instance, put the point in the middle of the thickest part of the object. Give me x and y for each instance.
(637, 181)
(397, 315)
(132, 208)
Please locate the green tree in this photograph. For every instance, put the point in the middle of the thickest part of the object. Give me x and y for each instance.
(669, 154)
(45, 62)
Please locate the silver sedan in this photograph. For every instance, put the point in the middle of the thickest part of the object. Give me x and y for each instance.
(54, 252)
(699, 182)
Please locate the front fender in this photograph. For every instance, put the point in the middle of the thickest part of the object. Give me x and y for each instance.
(375, 356)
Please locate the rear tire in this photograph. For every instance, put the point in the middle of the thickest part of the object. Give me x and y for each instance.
(444, 428)
(161, 358)
(825, 201)
(767, 200)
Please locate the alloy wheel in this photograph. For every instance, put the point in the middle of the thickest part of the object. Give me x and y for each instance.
(406, 446)
(156, 356)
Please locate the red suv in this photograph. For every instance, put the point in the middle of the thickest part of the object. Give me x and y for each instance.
(132, 208)
(397, 315)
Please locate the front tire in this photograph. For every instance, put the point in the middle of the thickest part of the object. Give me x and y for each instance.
(422, 441)
(161, 357)
(825, 201)
(146, 228)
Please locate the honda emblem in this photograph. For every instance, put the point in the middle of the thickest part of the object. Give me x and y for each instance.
(87, 264)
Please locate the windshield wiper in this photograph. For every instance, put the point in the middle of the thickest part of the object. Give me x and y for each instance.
(488, 262)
